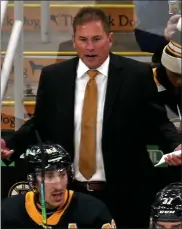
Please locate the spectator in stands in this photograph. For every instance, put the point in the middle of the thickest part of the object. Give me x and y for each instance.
(101, 107)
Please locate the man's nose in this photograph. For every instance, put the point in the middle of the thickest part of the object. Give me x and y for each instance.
(58, 185)
(58, 181)
(90, 46)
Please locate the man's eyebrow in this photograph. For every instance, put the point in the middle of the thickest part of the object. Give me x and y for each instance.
(82, 37)
(93, 36)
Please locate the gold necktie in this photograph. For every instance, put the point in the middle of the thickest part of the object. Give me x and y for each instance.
(87, 157)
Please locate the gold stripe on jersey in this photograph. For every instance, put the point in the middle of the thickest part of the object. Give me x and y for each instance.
(36, 216)
(155, 76)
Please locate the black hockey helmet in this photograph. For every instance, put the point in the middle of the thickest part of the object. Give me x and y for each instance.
(167, 206)
(56, 158)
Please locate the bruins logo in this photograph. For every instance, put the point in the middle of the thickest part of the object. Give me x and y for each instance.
(19, 188)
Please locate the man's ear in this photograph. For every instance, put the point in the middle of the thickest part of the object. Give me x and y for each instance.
(111, 36)
(73, 40)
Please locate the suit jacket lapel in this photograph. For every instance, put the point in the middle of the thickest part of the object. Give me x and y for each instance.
(67, 93)
(68, 86)
(65, 102)
(113, 84)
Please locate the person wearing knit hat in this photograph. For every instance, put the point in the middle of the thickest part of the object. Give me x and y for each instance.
(172, 57)
(168, 78)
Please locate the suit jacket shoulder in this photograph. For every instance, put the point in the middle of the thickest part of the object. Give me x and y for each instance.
(64, 65)
(138, 73)
(127, 62)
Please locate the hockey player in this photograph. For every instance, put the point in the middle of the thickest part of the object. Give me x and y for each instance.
(64, 208)
(167, 208)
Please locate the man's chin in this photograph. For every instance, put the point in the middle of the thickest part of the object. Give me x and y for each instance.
(92, 64)
(55, 204)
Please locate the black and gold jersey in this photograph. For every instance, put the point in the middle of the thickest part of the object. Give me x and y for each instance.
(80, 211)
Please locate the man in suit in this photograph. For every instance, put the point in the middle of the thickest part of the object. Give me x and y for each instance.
(100, 108)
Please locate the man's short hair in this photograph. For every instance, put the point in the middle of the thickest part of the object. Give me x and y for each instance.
(87, 14)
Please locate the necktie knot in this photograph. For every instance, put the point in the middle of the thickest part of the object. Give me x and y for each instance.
(92, 74)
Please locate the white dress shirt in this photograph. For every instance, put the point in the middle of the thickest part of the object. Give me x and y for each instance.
(81, 82)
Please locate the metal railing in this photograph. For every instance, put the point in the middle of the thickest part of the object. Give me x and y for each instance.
(14, 51)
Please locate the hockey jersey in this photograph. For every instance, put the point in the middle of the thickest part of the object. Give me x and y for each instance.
(80, 211)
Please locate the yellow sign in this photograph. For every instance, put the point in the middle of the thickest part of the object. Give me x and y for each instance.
(33, 67)
(8, 118)
(121, 17)
(32, 70)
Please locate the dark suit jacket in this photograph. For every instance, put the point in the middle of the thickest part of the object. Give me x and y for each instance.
(131, 109)
(131, 112)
